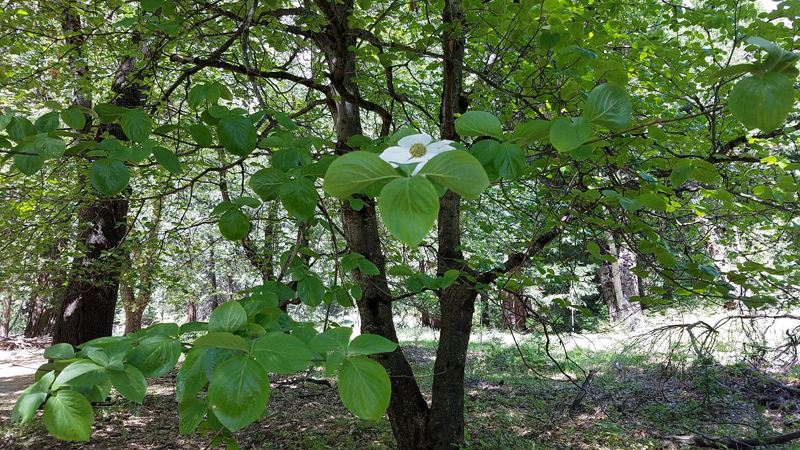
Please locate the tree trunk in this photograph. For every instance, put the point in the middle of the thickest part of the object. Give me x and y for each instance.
(191, 312)
(87, 310)
(5, 319)
(618, 284)
(133, 319)
(214, 299)
(45, 301)
(90, 298)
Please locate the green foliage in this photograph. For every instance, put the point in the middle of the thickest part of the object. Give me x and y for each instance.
(353, 172)
(238, 392)
(408, 208)
(577, 126)
(237, 134)
(364, 387)
(230, 359)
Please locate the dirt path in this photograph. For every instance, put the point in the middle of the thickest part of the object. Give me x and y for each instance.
(16, 373)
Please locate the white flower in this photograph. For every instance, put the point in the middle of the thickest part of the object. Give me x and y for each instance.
(416, 148)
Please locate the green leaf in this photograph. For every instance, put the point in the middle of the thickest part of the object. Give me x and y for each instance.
(51, 147)
(73, 117)
(168, 160)
(368, 267)
(311, 290)
(81, 373)
(548, 39)
(202, 135)
(59, 351)
(191, 327)
(665, 257)
(581, 153)
(358, 141)
(20, 127)
(485, 150)
(762, 102)
(52, 104)
(409, 207)
(299, 197)
(238, 392)
(370, 344)
(400, 271)
(237, 134)
(287, 159)
(356, 203)
(364, 387)
(218, 111)
(608, 105)
(47, 123)
(267, 182)
(333, 339)
(109, 176)
(282, 291)
(510, 161)
(222, 207)
(99, 358)
(704, 175)
(247, 201)
(459, 171)
(355, 171)
(32, 397)
(197, 95)
(5, 119)
(356, 292)
(652, 201)
(222, 339)
(130, 383)
(630, 204)
(680, 175)
(108, 113)
(234, 225)
(593, 248)
(192, 375)
(479, 123)
(152, 5)
(532, 131)
(281, 353)
(229, 316)
(68, 416)
(567, 134)
(285, 122)
(137, 125)
(731, 71)
(155, 356)
(28, 164)
(192, 411)
(170, 329)
(332, 362)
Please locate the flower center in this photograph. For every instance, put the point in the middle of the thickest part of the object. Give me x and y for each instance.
(418, 150)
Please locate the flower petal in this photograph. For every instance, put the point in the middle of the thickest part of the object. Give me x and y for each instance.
(397, 155)
(410, 140)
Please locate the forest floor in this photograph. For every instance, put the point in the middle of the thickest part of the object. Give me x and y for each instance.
(635, 400)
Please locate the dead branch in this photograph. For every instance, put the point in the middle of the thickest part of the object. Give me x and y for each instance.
(730, 443)
(584, 389)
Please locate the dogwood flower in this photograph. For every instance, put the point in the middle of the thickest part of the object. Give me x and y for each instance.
(416, 148)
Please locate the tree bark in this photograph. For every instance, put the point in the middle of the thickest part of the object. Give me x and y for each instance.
(90, 298)
(618, 284)
(191, 312)
(87, 310)
(45, 302)
(5, 318)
